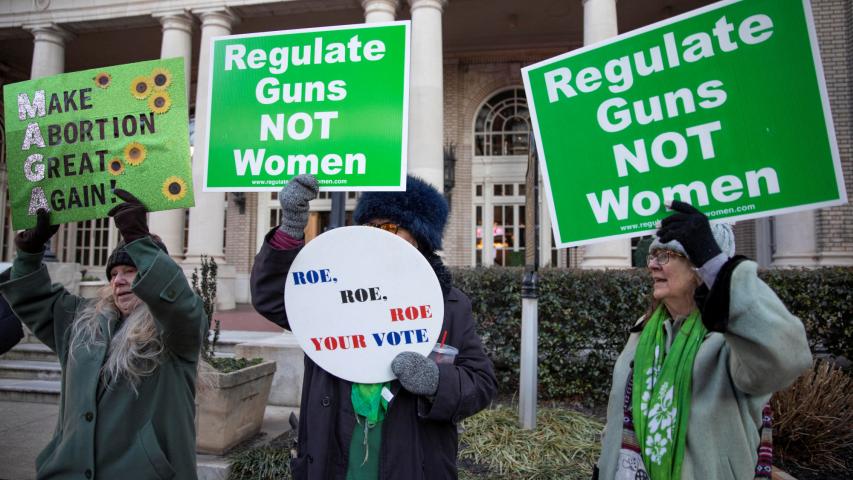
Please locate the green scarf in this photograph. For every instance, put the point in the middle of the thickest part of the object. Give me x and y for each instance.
(367, 401)
(662, 391)
(369, 406)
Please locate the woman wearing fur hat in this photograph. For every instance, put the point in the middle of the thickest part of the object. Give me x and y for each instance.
(128, 356)
(689, 387)
(415, 436)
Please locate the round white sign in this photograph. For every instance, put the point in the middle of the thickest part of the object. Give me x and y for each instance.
(358, 296)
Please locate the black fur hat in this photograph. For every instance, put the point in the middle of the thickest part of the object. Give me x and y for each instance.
(420, 209)
(119, 256)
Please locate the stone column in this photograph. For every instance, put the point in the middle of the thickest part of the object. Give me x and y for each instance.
(177, 42)
(207, 217)
(376, 11)
(48, 49)
(426, 102)
(796, 242)
(599, 23)
(599, 20)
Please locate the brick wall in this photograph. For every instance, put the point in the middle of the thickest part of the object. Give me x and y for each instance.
(745, 239)
(834, 25)
(468, 82)
(241, 233)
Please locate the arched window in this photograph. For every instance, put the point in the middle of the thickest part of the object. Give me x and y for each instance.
(502, 125)
(501, 130)
(498, 172)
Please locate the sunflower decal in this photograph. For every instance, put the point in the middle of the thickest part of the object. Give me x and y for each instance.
(115, 167)
(135, 153)
(161, 78)
(160, 102)
(141, 87)
(103, 80)
(174, 188)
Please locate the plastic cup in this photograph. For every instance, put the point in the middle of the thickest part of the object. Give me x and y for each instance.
(445, 354)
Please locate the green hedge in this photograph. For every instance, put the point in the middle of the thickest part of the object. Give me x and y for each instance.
(584, 317)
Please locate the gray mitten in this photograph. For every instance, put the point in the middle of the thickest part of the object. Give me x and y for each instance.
(417, 373)
(294, 198)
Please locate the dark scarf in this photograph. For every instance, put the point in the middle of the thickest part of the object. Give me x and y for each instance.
(445, 279)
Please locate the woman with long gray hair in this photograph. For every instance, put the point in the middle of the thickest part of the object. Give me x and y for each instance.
(129, 357)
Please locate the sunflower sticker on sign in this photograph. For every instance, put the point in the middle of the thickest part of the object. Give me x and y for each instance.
(74, 138)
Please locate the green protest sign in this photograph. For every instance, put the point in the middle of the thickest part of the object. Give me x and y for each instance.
(331, 102)
(724, 107)
(73, 138)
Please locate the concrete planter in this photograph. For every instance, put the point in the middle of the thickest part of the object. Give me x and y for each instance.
(231, 407)
(89, 289)
(285, 351)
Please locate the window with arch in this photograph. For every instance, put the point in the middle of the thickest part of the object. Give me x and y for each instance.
(502, 125)
(499, 168)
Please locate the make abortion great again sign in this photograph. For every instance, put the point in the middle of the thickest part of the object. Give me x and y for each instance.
(358, 296)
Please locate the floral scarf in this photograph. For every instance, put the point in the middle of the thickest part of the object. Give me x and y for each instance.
(662, 392)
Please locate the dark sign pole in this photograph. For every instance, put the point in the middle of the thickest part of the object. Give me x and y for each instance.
(338, 216)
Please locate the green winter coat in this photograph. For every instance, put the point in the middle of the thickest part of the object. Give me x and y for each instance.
(113, 433)
(762, 349)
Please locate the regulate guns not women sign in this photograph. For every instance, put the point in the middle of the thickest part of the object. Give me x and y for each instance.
(330, 101)
(724, 107)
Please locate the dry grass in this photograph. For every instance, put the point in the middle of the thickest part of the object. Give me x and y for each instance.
(565, 444)
(813, 420)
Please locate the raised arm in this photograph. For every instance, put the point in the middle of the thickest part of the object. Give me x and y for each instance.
(269, 273)
(160, 282)
(767, 344)
(280, 248)
(47, 309)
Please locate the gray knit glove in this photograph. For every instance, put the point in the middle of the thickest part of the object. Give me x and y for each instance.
(417, 373)
(294, 198)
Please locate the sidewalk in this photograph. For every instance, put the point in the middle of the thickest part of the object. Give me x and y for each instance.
(25, 429)
(245, 318)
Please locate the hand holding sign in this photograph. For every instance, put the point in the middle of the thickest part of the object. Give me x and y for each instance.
(417, 373)
(294, 198)
(691, 229)
(33, 239)
(130, 217)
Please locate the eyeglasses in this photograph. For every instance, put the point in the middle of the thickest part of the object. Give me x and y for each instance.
(388, 227)
(662, 257)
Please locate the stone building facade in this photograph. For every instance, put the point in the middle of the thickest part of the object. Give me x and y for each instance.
(468, 125)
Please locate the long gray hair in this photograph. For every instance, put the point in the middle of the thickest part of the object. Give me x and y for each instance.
(135, 348)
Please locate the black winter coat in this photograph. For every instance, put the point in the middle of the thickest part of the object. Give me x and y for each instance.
(419, 437)
(11, 331)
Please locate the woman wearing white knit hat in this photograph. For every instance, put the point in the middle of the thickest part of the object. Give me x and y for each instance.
(689, 387)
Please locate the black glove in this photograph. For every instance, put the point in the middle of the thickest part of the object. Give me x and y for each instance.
(294, 198)
(691, 229)
(33, 240)
(129, 217)
(417, 373)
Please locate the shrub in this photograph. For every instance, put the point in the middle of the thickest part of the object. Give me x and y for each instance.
(564, 445)
(263, 463)
(823, 299)
(813, 420)
(584, 317)
(204, 285)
